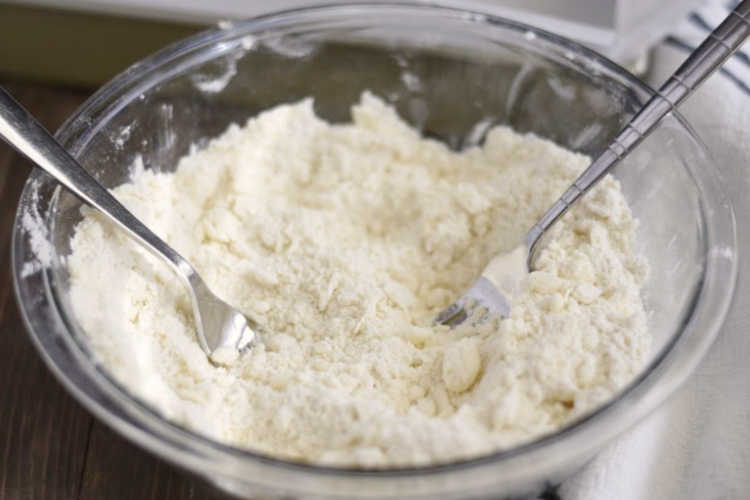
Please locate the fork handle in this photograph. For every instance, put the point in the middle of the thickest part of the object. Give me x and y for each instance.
(702, 62)
(27, 136)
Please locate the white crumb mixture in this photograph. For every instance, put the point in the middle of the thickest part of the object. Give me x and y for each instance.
(345, 241)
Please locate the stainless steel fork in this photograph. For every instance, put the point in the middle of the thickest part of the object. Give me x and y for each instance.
(222, 331)
(708, 57)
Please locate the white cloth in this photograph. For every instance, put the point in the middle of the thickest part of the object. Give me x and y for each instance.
(696, 446)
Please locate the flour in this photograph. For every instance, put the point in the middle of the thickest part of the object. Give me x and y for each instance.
(345, 241)
(32, 224)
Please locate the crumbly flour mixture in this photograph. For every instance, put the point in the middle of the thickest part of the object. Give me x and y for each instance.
(345, 241)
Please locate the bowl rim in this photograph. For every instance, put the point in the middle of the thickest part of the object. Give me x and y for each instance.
(633, 394)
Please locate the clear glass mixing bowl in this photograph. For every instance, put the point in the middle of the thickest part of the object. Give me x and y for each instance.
(450, 72)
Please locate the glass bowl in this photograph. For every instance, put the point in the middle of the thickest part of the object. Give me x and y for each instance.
(451, 73)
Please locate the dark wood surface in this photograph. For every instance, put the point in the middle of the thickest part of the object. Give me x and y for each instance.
(50, 447)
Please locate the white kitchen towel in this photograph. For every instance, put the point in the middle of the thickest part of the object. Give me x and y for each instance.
(697, 446)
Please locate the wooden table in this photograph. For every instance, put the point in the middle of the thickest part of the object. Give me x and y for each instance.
(50, 447)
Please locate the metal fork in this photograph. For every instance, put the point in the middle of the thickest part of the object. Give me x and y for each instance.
(222, 331)
(707, 58)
